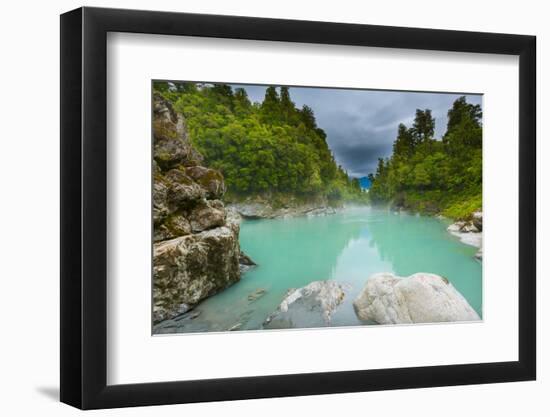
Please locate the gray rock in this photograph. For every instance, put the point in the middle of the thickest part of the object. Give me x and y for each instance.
(245, 262)
(309, 306)
(196, 249)
(183, 192)
(190, 268)
(160, 205)
(419, 298)
(254, 210)
(264, 210)
(477, 220)
(207, 215)
(210, 180)
(171, 145)
(467, 232)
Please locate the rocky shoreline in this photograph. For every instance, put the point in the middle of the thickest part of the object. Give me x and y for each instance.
(470, 232)
(255, 210)
(196, 251)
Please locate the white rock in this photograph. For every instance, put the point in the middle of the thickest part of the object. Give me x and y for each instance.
(419, 298)
(309, 306)
(467, 233)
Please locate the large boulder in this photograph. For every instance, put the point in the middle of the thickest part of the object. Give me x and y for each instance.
(190, 268)
(419, 298)
(309, 306)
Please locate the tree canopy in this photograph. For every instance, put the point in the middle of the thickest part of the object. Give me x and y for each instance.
(271, 146)
(432, 175)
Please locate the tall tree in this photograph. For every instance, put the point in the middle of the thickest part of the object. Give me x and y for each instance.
(462, 110)
(403, 147)
(287, 106)
(271, 106)
(463, 127)
(424, 126)
(307, 117)
(242, 104)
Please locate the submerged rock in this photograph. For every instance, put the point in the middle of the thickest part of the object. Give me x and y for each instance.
(419, 298)
(309, 306)
(258, 293)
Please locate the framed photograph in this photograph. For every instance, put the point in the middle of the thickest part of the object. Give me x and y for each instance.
(257, 208)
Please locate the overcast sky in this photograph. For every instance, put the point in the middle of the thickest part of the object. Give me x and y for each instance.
(361, 125)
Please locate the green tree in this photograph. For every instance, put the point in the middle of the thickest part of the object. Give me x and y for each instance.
(424, 126)
(424, 173)
(270, 147)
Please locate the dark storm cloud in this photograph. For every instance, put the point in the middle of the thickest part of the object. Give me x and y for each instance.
(361, 125)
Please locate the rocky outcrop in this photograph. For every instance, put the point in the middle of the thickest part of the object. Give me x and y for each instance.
(470, 231)
(246, 263)
(196, 240)
(419, 298)
(309, 306)
(263, 209)
(190, 268)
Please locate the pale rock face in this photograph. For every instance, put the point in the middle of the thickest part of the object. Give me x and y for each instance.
(309, 306)
(419, 298)
(190, 268)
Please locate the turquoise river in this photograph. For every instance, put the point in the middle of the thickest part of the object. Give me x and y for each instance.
(347, 247)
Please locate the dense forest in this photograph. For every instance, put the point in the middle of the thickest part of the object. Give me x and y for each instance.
(264, 148)
(434, 176)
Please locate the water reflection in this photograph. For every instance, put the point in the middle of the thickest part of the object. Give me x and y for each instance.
(347, 247)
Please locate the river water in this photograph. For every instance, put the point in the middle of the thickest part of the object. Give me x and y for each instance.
(347, 247)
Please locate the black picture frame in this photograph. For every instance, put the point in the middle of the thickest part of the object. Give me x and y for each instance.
(84, 207)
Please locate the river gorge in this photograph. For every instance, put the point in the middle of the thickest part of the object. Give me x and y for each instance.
(347, 247)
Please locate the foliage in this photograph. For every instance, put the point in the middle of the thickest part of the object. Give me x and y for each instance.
(432, 175)
(260, 147)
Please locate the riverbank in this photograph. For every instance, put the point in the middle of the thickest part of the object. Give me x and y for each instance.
(470, 232)
(257, 210)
